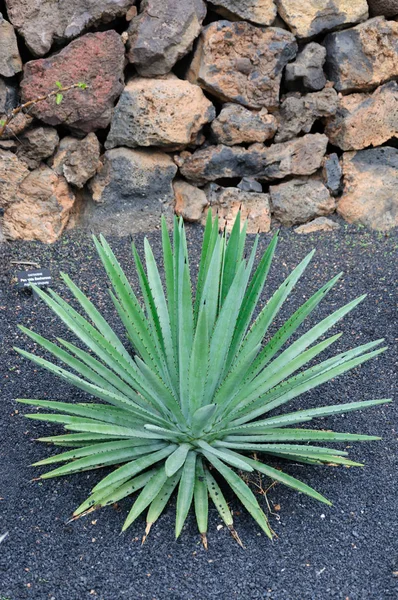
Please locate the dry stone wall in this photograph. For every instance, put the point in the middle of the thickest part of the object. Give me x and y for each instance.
(285, 109)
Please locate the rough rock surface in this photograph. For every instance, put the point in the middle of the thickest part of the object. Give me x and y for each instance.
(130, 192)
(242, 63)
(364, 120)
(42, 22)
(37, 144)
(10, 60)
(41, 208)
(261, 12)
(97, 59)
(306, 72)
(190, 201)
(168, 113)
(311, 17)
(388, 8)
(248, 184)
(302, 156)
(227, 202)
(299, 113)
(300, 200)
(238, 125)
(363, 57)
(332, 174)
(19, 123)
(370, 188)
(12, 172)
(77, 160)
(319, 224)
(163, 33)
(8, 97)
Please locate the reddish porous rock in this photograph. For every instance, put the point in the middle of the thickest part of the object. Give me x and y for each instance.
(163, 33)
(241, 63)
(364, 120)
(388, 8)
(12, 172)
(300, 200)
(41, 209)
(238, 125)
(42, 22)
(361, 58)
(370, 188)
(227, 202)
(167, 113)
(301, 156)
(97, 59)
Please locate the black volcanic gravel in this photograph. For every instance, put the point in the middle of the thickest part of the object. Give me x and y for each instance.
(347, 552)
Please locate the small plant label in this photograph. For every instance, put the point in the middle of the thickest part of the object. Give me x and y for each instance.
(39, 277)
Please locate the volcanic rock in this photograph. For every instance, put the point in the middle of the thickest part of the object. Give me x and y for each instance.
(241, 63)
(130, 192)
(299, 113)
(370, 188)
(77, 160)
(301, 156)
(163, 33)
(168, 113)
(43, 22)
(37, 144)
(227, 202)
(364, 120)
(238, 125)
(190, 201)
(361, 58)
(309, 18)
(261, 12)
(319, 224)
(306, 72)
(41, 209)
(10, 60)
(300, 200)
(96, 59)
(388, 8)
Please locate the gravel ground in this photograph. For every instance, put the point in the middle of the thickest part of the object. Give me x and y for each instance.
(347, 552)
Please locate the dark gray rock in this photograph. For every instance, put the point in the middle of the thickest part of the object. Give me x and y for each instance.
(299, 113)
(301, 156)
(248, 184)
(46, 21)
(388, 8)
(8, 97)
(130, 192)
(332, 174)
(361, 58)
(306, 72)
(37, 144)
(163, 33)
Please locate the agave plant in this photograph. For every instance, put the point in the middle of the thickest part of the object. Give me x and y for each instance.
(189, 402)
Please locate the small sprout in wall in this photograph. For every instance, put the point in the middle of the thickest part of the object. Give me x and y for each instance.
(195, 400)
(58, 93)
